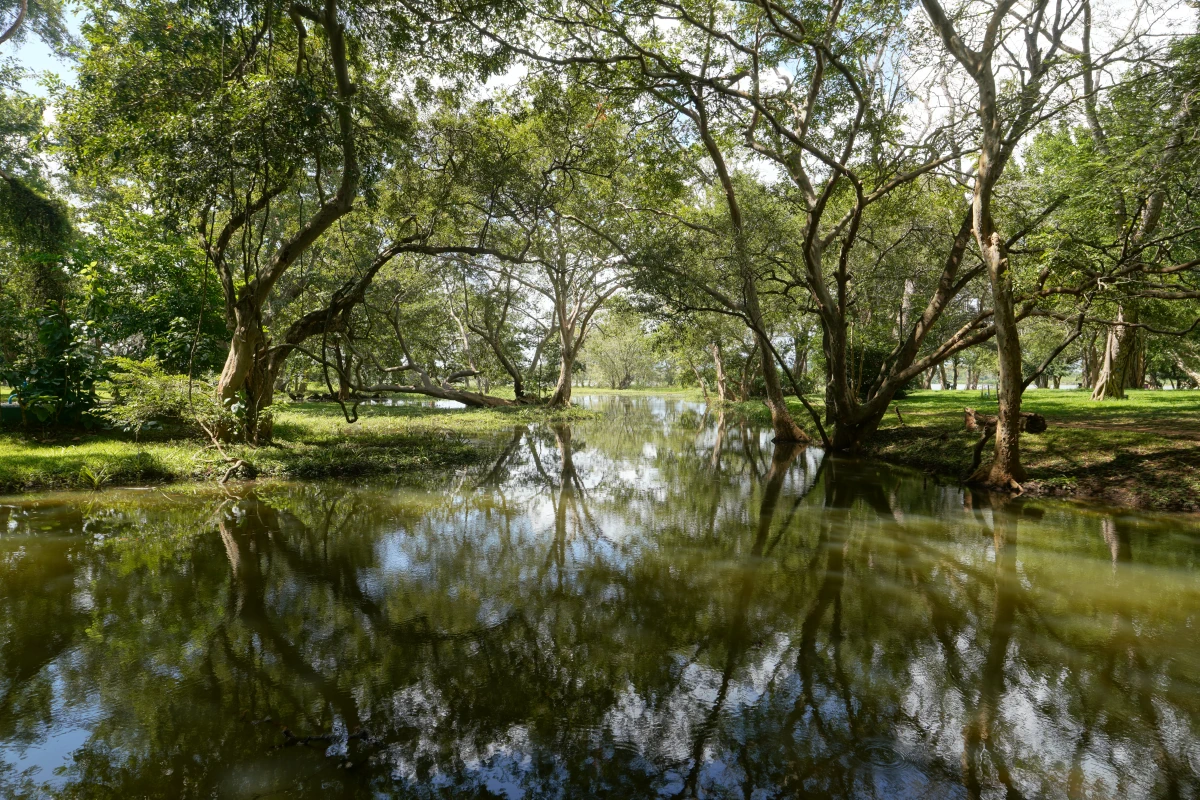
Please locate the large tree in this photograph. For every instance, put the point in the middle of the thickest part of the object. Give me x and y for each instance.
(260, 128)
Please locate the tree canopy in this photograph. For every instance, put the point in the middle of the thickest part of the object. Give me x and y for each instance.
(435, 197)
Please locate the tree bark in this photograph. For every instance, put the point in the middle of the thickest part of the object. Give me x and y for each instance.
(561, 397)
(719, 364)
(1192, 374)
(744, 383)
(1117, 367)
(16, 25)
(785, 426)
(801, 364)
(1005, 469)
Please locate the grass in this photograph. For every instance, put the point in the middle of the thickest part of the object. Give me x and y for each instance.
(311, 441)
(1142, 452)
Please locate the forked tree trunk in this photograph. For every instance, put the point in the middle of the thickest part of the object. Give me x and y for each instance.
(239, 387)
(562, 391)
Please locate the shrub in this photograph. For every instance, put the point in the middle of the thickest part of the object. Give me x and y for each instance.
(145, 396)
(54, 382)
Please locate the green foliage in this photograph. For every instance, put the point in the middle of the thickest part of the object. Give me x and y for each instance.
(619, 353)
(55, 383)
(145, 396)
(149, 287)
(37, 224)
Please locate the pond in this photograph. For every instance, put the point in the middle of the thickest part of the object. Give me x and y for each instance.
(654, 603)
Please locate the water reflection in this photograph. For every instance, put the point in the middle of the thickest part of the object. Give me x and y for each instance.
(659, 603)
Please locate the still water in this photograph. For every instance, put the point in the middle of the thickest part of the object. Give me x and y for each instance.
(656, 603)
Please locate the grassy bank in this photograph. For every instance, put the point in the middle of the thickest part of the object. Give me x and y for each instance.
(311, 441)
(1142, 452)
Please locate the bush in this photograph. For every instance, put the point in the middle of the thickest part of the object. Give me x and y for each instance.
(145, 396)
(54, 382)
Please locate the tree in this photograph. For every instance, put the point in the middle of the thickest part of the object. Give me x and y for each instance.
(42, 18)
(262, 151)
(1024, 46)
(620, 353)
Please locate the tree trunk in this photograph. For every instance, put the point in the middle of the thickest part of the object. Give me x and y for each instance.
(238, 377)
(719, 364)
(1005, 469)
(248, 356)
(1138, 373)
(1120, 347)
(744, 384)
(514, 372)
(260, 395)
(830, 394)
(786, 429)
(699, 379)
(944, 381)
(562, 391)
(801, 347)
(849, 435)
(443, 392)
(954, 377)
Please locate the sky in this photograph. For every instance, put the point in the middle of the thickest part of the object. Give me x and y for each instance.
(36, 57)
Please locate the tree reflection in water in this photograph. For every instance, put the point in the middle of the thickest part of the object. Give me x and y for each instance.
(657, 603)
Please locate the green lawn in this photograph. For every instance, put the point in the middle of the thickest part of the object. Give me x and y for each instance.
(311, 441)
(1144, 451)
